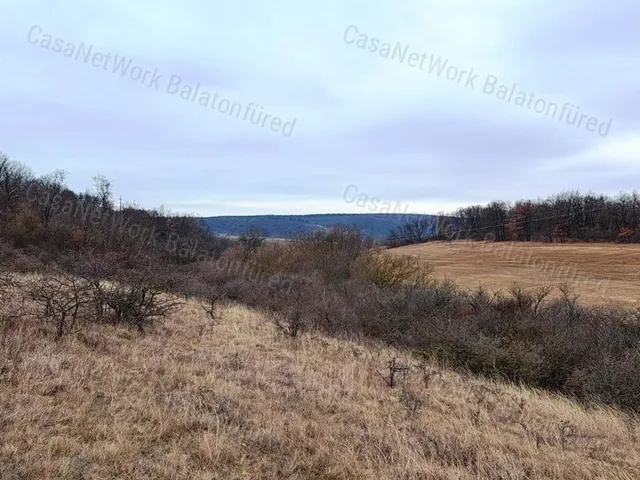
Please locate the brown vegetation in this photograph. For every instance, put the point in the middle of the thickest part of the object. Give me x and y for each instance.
(338, 285)
(235, 398)
(598, 273)
(567, 217)
(96, 382)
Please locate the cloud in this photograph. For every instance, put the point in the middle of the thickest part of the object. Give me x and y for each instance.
(398, 132)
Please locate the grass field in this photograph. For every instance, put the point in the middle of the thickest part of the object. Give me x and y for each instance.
(599, 273)
(234, 398)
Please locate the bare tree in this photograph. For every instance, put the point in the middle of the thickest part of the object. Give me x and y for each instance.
(13, 180)
(103, 192)
(60, 299)
(49, 197)
(139, 299)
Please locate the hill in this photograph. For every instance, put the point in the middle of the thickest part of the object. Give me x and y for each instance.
(287, 226)
(234, 398)
(599, 273)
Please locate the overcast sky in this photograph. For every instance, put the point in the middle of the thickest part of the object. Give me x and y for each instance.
(379, 120)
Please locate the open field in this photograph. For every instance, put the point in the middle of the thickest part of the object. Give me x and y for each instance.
(599, 273)
(235, 398)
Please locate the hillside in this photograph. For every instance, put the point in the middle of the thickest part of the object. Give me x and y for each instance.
(600, 273)
(287, 226)
(234, 398)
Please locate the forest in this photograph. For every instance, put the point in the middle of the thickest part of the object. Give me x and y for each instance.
(566, 217)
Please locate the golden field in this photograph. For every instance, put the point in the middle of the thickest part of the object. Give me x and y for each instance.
(598, 273)
(235, 398)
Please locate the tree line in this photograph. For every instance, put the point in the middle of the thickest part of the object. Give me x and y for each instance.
(566, 217)
(44, 215)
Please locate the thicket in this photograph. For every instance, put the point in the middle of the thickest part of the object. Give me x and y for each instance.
(541, 337)
(88, 261)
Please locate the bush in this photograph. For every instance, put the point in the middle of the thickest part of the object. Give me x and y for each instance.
(61, 300)
(386, 270)
(11, 308)
(278, 258)
(137, 299)
(332, 253)
(251, 239)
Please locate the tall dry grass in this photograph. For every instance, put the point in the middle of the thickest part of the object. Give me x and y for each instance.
(234, 398)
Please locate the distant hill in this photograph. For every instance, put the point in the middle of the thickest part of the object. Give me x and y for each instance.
(376, 225)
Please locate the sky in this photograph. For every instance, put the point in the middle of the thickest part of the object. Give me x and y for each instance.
(127, 89)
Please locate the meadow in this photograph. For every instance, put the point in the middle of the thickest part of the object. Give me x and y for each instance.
(600, 273)
(233, 397)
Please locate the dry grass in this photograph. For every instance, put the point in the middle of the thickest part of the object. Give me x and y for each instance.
(599, 273)
(234, 398)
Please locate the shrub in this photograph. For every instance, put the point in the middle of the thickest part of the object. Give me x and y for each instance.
(61, 300)
(278, 258)
(11, 303)
(251, 239)
(330, 253)
(137, 300)
(386, 270)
